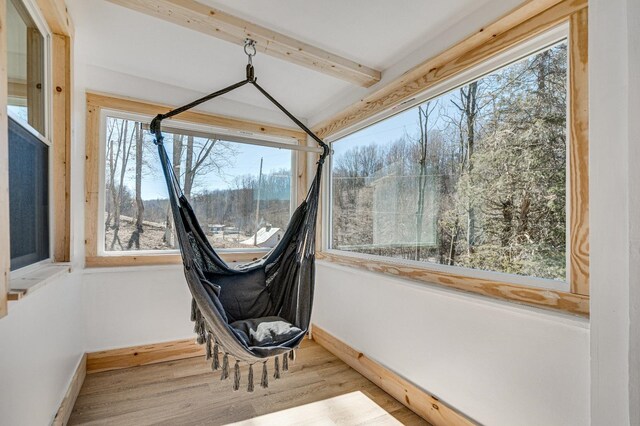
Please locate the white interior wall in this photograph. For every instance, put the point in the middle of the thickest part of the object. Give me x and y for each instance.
(135, 306)
(41, 346)
(633, 21)
(614, 36)
(497, 362)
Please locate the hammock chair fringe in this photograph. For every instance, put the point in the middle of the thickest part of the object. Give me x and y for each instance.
(265, 376)
(208, 346)
(236, 376)
(276, 367)
(212, 352)
(215, 365)
(225, 367)
(250, 379)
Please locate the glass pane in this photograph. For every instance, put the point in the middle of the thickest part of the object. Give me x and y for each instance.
(475, 177)
(235, 189)
(25, 67)
(28, 197)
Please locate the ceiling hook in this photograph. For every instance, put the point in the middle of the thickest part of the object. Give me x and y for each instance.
(250, 48)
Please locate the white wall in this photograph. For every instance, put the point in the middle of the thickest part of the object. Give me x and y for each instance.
(633, 20)
(41, 344)
(136, 306)
(499, 363)
(614, 33)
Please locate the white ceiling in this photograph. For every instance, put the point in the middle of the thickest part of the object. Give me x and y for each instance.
(376, 33)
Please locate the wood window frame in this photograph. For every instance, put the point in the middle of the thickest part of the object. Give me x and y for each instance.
(56, 17)
(528, 21)
(96, 103)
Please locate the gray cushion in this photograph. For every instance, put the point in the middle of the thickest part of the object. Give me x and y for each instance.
(266, 331)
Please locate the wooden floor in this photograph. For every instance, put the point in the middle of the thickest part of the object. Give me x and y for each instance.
(318, 389)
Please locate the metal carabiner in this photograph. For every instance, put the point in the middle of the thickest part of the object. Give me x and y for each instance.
(250, 49)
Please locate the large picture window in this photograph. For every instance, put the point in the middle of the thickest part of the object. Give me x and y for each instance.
(241, 190)
(475, 177)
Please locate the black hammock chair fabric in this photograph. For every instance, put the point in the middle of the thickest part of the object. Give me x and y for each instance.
(256, 311)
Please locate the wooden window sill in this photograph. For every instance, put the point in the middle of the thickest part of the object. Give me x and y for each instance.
(29, 282)
(539, 297)
(164, 259)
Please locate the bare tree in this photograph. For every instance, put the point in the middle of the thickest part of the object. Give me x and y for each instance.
(135, 235)
(469, 108)
(177, 162)
(118, 163)
(423, 115)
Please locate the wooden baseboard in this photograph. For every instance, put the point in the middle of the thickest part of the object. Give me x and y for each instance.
(133, 356)
(417, 400)
(69, 400)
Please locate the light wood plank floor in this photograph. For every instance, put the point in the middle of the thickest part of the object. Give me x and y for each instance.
(187, 392)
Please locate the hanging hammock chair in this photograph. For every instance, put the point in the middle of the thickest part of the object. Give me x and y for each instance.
(257, 311)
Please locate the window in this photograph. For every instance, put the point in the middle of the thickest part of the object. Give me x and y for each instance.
(28, 138)
(25, 67)
(241, 190)
(475, 177)
(243, 179)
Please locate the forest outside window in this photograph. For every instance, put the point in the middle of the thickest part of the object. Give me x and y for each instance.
(240, 188)
(475, 177)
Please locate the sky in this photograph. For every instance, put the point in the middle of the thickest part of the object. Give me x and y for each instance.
(245, 160)
(406, 122)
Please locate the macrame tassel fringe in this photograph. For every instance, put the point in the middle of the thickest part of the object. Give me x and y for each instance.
(208, 347)
(276, 365)
(236, 376)
(292, 355)
(225, 367)
(265, 376)
(285, 362)
(250, 384)
(215, 365)
(194, 309)
(199, 327)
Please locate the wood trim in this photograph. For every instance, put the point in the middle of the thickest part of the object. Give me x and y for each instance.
(163, 259)
(539, 297)
(69, 400)
(61, 140)
(4, 166)
(579, 153)
(527, 21)
(427, 406)
(36, 110)
(120, 103)
(91, 180)
(18, 89)
(98, 101)
(15, 295)
(301, 176)
(134, 356)
(57, 16)
(216, 23)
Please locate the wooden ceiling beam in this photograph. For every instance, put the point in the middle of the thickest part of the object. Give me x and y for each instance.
(199, 17)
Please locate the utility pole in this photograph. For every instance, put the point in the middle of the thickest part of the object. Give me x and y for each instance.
(255, 237)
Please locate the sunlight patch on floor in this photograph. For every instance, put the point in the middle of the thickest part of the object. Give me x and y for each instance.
(349, 409)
